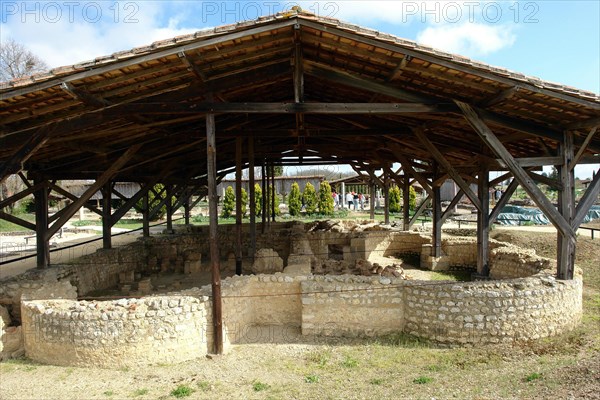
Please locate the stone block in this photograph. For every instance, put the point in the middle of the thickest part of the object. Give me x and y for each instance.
(267, 261)
(127, 277)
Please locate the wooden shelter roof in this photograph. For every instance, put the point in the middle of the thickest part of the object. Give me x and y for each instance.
(286, 80)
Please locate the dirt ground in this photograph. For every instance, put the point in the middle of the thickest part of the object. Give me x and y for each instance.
(382, 368)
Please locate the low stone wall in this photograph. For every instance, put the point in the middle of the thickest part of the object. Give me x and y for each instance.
(492, 312)
(507, 262)
(113, 334)
(352, 306)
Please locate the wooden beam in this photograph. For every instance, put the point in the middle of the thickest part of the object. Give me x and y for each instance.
(452, 204)
(71, 197)
(102, 179)
(587, 201)
(208, 42)
(119, 213)
(436, 230)
(329, 74)
(18, 196)
(483, 224)
(500, 97)
(419, 211)
(238, 205)
(408, 168)
(566, 242)
(252, 198)
(519, 173)
(533, 161)
(447, 167)
(106, 210)
(211, 156)
(510, 189)
(33, 143)
(406, 204)
(17, 220)
(41, 226)
(585, 144)
(545, 180)
(585, 124)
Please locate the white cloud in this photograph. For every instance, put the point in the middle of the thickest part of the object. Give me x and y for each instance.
(470, 39)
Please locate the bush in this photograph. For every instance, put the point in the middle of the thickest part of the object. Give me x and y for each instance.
(228, 202)
(276, 205)
(325, 199)
(294, 200)
(310, 199)
(154, 200)
(412, 198)
(244, 201)
(258, 198)
(395, 199)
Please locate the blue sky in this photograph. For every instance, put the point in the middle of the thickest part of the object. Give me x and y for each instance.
(558, 41)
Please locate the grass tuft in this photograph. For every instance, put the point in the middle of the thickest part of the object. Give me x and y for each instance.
(422, 380)
(259, 386)
(182, 391)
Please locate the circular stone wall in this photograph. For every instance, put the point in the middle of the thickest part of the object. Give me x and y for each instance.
(111, 334)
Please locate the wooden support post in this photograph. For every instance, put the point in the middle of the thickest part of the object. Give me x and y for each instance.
(419, 210)
(186, 210)
(238, 205)
(436, 250)
(504, 199)
(264, 207)
(406, 203)
(252, 197)
(106, 215)
(146, 216)
(169, 204)
(41, 226)
(566, 205)
(483, 223)
(371, 200)
(211, 157)
(386, 194)
(273, 193)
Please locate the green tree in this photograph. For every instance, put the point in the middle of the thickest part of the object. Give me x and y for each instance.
(310, 198)
(395, 200)
(273, 207)
(278, 170)
(244, 201)
(412, 198)
(295, 200)
(258, 198)
(228, 203)
(154, 201)
(325, 199)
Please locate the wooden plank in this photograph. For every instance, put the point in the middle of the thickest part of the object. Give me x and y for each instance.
(419, 210)
(18, 196)
(211, 156)
(447, 167)
(121, 211)
(585, 124)
(72, 197)
(583, 147)
(408, 168)
(406, 204)
(519, 173)
(436, 231)
(102, 179)
(587, 201)
(533, 161)
(452, 204)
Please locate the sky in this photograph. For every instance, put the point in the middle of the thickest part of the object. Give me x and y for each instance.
(557, 41)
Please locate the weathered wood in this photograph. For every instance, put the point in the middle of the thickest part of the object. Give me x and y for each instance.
(17, 220)
(210, 42)
(512, 186)
(18, 196)
(587, 201)
(121, 211)
(406, 203)
(483, 224)
(169, 204)
(452, 204)
(211, 156)
(519, 173)
(146, 215)
(263, 208)
(386, 199)
(102, 179)
(71, 197)
(448, 167)
(585, 124)
(273, 194)
(41, 226)
(408, 168)
(373, 194)
(436, 231)
(238, 205)
(533, 161)
(15, 163)
(566, 241)
(106, 217)
(500, 97)
(583, 147)
(252, 198)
